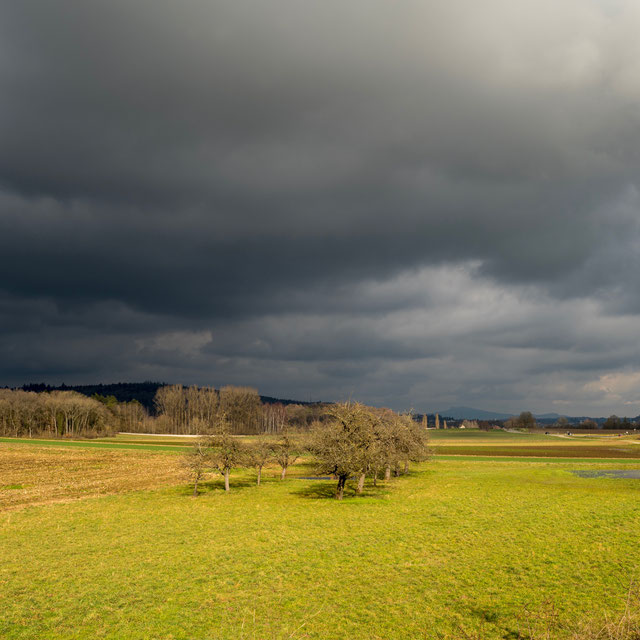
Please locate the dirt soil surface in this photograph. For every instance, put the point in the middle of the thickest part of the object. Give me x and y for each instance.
(35, 476)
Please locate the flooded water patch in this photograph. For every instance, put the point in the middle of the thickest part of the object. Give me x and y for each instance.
(608, 473)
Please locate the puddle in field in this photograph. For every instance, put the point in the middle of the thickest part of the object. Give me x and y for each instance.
(609, 473)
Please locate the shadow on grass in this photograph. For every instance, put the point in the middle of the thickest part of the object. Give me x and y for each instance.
(215, 486)
(326, 489)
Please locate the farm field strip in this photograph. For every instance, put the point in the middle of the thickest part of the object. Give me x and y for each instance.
(550, 441)
(542, 452)
(471, 457)
(483, 445)
(96, 444)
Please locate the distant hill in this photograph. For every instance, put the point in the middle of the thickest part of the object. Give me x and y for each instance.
(469, 413)
(285, 401)
(143, 392)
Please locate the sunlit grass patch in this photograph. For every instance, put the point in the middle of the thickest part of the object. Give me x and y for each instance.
(455, 547)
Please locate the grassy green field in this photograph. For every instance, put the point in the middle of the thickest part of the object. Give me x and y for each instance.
(460, 546)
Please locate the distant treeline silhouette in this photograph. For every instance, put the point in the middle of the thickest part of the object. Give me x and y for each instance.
(142, 392)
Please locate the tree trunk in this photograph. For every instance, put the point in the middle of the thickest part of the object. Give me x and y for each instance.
(259, 474)
(284, 473)
(340, 489)
(226, 479)
(360, 487)
(406, 466)
(375, 477)
(195, 488)
(387, 473)
(396, 470)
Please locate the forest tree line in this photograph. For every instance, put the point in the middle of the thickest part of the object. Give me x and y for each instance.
(55, 414)
(199, 410)
(180, 410)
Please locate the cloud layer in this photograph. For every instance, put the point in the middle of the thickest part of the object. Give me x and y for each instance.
(415, 203)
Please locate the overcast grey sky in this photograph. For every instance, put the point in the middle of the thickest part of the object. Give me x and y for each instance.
(414, 203)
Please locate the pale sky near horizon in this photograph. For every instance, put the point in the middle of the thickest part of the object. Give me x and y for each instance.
(414, 203)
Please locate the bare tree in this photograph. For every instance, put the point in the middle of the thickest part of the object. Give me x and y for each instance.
(226, 453)
(241, 406)
(209, 405)
(383, 455)
(285, 452)
(131, 416)
(274, 417)
(259, 454)
(343, 446)
(197, 462)
(406, 441)
(171, 402)
(359, 441)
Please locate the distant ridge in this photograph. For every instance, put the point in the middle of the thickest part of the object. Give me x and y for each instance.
(143, 392)
(469, 413)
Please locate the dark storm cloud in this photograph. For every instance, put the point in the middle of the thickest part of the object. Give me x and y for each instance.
(315, 196)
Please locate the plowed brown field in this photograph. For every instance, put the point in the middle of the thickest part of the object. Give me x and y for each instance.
(32, 475)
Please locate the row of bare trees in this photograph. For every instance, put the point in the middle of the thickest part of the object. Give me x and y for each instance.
(223, 452)
(354, 443)
(199, 410)
(55, 414)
